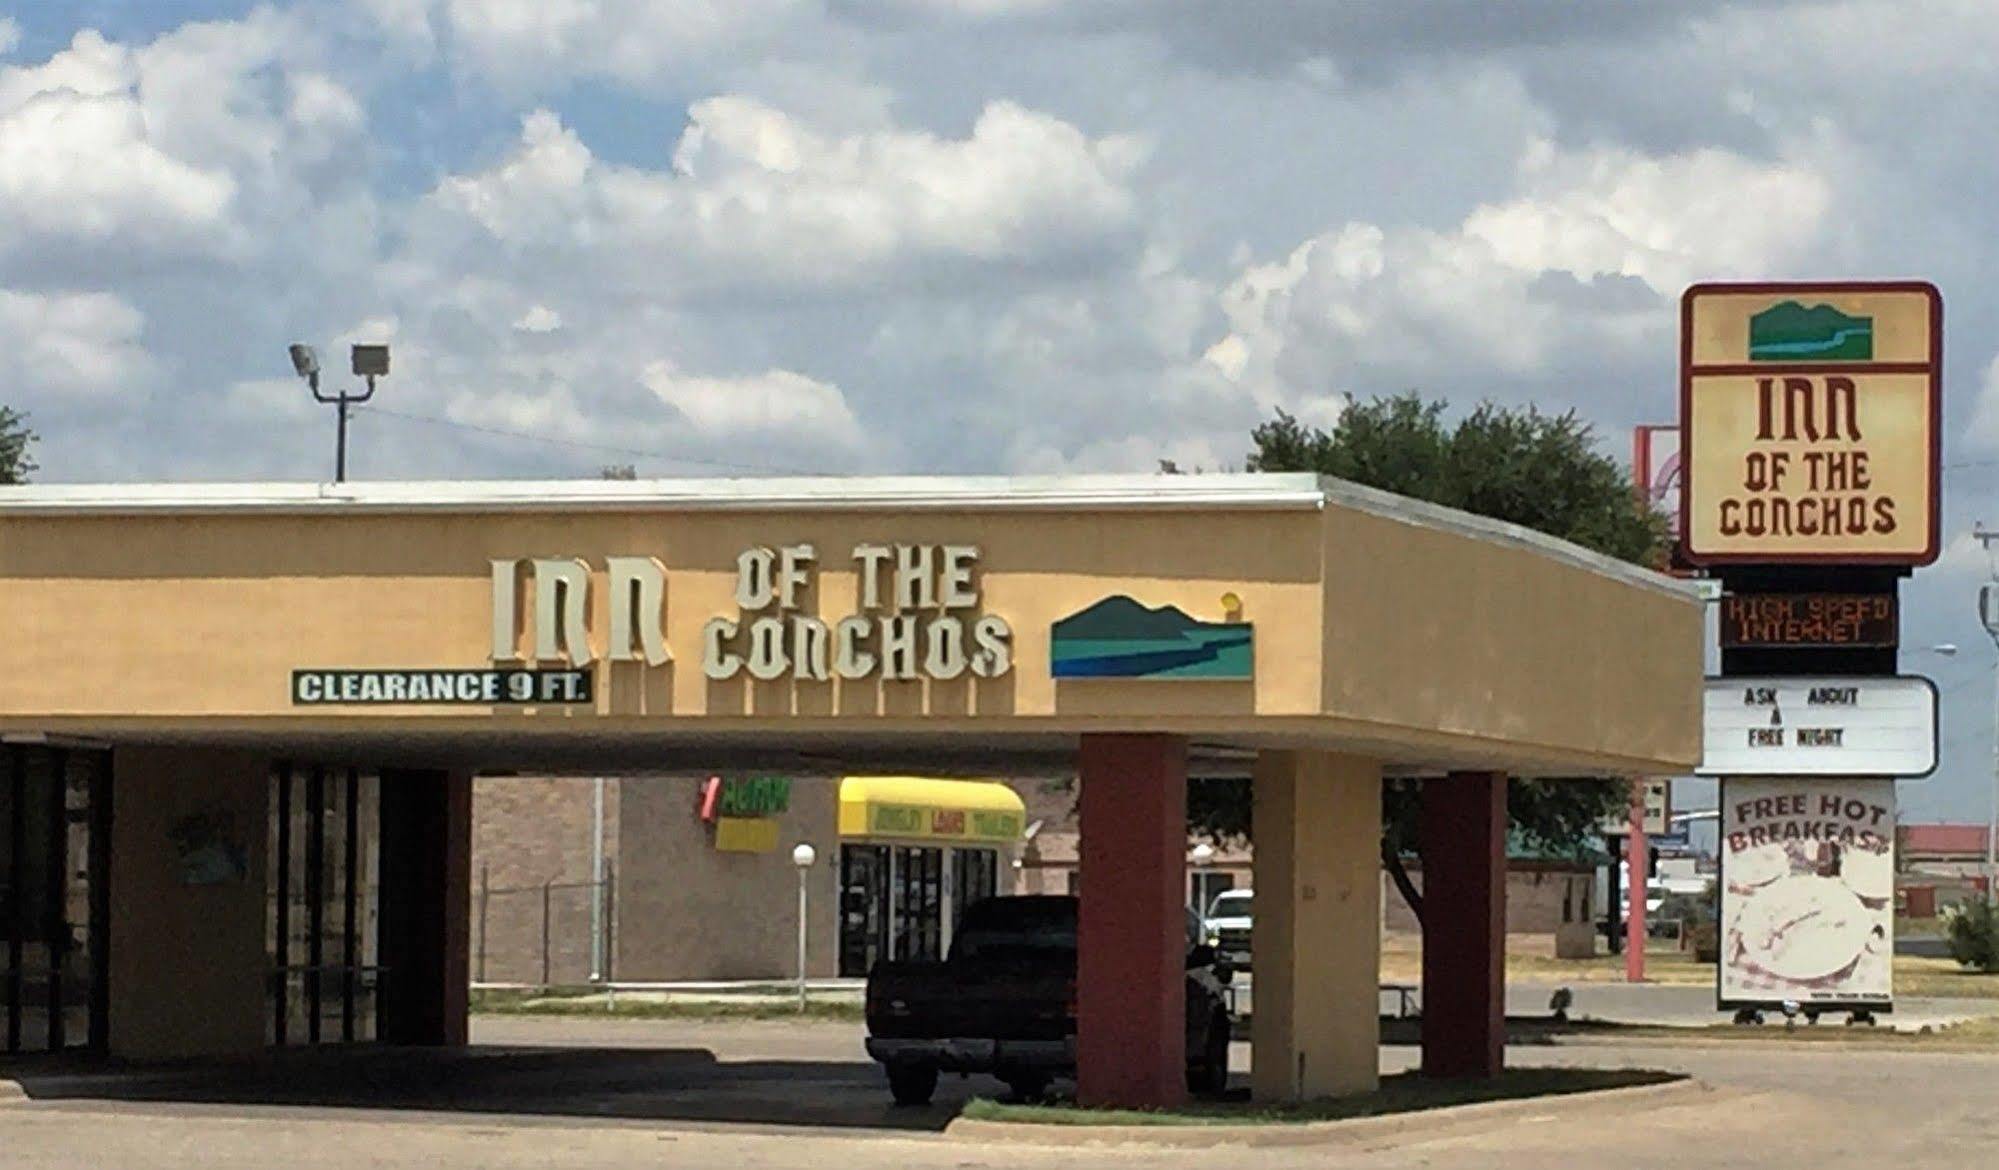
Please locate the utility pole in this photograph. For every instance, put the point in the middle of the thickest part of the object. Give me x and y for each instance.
(1988, 614)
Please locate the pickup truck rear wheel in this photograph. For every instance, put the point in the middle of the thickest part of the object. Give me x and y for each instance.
(912, 1084)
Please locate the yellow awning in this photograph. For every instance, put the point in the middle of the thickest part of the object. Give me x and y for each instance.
(981, 811)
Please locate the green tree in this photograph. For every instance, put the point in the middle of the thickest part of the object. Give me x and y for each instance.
(1972, 932)
(15, 439)
(1537, 470)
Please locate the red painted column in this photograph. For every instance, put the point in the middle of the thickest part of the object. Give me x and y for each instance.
(1638, 862)
(1132, 933)
(1463, 842)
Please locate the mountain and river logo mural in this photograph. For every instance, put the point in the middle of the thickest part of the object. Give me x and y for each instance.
(1789, 332)
(1122, 638)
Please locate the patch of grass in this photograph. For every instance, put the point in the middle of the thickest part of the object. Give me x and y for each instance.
(1401, 1093)
(1915, 975)
(536, 1003)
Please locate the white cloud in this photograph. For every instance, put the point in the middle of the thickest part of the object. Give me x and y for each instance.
(315, 101)
(71, 351)
(206, 141)
(1984, 429)
(1666, 220)
(758, 199)
(10, 34)
(406, 24)
(83, 166)
(1586, 260)
(775, 403)
(642, 43)
(78, 158)
(539, 319)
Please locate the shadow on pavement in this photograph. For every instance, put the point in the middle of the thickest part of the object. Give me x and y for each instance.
(656, 1084)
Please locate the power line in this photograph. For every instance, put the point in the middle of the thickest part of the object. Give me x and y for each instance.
(580, 445)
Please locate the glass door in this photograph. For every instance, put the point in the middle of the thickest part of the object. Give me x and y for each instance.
(54, 808)
(864, 908)
(918, 924)
(974, 878)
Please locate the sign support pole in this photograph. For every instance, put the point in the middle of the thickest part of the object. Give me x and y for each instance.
(1636, 856)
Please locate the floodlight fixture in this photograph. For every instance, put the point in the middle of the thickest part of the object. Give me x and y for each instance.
(369, 362)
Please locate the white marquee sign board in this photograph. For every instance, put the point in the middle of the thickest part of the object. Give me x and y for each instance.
(1882, 726)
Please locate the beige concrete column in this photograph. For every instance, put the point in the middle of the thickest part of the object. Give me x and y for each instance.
(1316, 948)
(187, 961)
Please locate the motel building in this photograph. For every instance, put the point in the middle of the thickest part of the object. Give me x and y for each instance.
(241, 724)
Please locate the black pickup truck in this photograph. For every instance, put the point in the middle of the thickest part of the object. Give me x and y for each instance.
(1004, 1002)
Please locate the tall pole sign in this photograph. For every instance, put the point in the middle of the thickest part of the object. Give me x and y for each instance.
(1809, 476)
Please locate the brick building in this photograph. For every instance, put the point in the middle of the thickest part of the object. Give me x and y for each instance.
(1938, 866)
(532, 853)
(669, 892)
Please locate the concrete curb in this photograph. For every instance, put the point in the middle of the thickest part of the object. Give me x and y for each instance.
(1354, 1131)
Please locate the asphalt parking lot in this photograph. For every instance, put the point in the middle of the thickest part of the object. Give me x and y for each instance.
(672, 1094)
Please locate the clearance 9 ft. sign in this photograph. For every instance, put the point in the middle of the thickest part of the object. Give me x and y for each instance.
(1809, 417)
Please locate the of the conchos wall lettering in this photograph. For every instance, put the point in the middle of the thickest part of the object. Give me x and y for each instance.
(919, 616)
(919, 619)
(1809, 416)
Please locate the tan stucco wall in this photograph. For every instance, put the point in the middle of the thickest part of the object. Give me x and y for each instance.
(160, 601)
(187, 962)
(1446, 636)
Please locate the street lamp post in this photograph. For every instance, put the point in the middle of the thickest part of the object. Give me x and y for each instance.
(369, 362)
(1203, 854)
(802, 857)
(1988, 613)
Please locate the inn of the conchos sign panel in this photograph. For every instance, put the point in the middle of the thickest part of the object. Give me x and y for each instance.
(1809, 416)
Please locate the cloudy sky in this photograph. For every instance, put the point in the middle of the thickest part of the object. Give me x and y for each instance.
(747, 236)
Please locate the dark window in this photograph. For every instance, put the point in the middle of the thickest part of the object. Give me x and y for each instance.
(323, 897)
(53, 805)
(1030, 927)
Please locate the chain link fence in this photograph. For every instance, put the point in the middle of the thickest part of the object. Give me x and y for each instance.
(556, 934)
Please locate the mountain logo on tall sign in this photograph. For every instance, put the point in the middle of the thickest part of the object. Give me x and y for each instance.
(1119, 637)
(1789, 332)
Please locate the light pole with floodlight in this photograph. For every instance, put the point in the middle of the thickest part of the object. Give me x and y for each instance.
(802, 857)
(369, 362)
(1988, 613)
